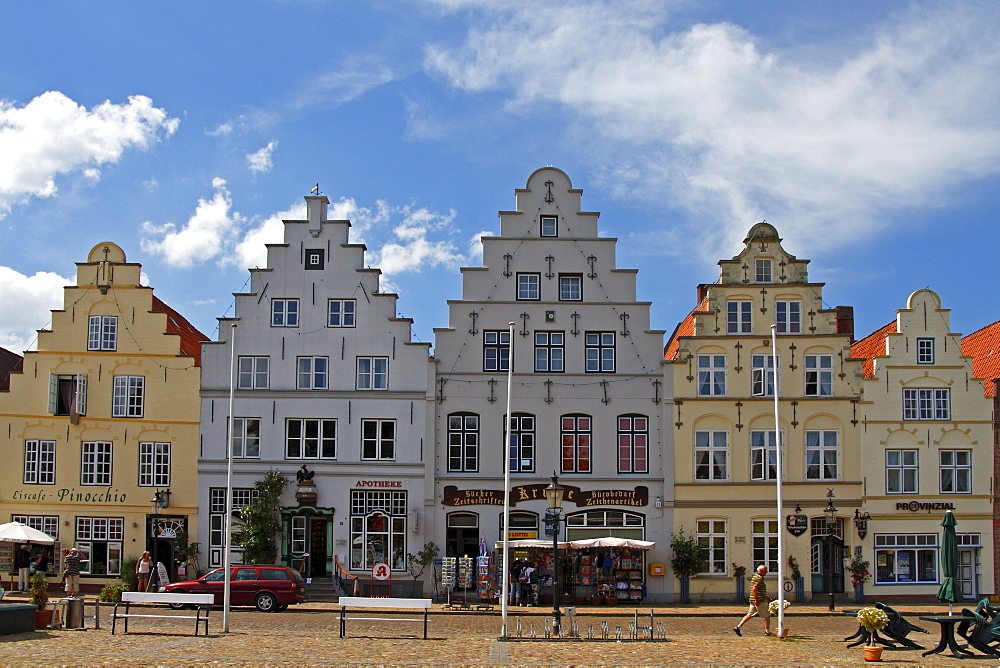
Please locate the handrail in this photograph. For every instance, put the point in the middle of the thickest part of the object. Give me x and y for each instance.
(336, 560)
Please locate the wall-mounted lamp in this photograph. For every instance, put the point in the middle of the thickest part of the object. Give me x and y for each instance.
(161, 499)
(65, 523)
(658, 502)
(135, 525)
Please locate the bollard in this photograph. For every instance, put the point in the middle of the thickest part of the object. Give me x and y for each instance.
(74, 613)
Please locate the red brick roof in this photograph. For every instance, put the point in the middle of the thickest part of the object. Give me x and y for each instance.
(191, 338)
(870, 346)
(10, 362)
(983, 346)
(684, 328)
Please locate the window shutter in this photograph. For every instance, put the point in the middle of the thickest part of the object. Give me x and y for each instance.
(80, 397)
(758, 378)
(53, 392)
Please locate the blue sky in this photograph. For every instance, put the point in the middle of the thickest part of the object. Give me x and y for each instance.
(867, 133)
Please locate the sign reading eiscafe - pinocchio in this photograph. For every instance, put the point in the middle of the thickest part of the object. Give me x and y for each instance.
(597, 497)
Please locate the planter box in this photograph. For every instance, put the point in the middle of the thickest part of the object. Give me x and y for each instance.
(16, 618)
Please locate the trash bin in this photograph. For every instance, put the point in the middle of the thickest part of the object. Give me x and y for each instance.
(74, 613)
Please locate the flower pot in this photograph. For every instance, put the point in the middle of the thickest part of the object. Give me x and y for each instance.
(873, 653)
(784, 633)
(43, 618)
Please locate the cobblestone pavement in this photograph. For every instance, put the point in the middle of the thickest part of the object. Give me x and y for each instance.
(308, 635)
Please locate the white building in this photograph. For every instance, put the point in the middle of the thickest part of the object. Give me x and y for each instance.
(588, 394)
(327, 378)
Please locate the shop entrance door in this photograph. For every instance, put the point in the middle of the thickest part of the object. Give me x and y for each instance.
(317, 547)
(827, 564)
(967, 574)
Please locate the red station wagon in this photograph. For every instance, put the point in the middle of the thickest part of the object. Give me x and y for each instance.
(268, 588)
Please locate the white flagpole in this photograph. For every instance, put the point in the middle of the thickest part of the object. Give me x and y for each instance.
(228, 539)
(505, 535)
(778, 462)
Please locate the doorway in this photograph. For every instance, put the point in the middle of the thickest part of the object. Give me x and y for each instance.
(462, 536)
(317, 547)
(827, 564)
(967, 574)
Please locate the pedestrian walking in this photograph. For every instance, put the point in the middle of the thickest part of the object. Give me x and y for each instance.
(759, 602)
(528, 580)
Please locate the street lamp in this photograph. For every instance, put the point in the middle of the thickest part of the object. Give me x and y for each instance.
(554, 494)
(831, 522)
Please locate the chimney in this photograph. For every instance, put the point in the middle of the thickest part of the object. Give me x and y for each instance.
(702, 291)
(845, 320)
(316, 212)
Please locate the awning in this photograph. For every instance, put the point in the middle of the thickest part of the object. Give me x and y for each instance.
(581, 544)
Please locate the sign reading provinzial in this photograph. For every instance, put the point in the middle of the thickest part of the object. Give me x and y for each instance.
(914, 506)
(598, 497)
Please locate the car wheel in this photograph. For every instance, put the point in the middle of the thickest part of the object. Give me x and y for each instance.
(178, 606)
(281, 608)
(266, 602)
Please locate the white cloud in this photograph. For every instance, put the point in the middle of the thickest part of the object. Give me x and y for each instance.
(412, 250)
(53, 135)
(250, 250)
(707, 119)
(353, 80)
(27, 302)
(260, 161)
(203, 237)
(221, 130)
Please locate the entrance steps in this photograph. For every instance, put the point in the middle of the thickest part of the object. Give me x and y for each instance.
(324, 590)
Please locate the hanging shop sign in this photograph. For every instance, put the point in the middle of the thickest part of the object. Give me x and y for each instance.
(797, 524)
(597, 497)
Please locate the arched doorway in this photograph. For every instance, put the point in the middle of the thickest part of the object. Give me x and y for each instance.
(827, 556)
(462, 537)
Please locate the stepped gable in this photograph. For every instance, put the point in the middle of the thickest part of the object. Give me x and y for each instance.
(983, 346)
(872, 346)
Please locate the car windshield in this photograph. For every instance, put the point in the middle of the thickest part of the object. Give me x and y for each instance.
(215, 576)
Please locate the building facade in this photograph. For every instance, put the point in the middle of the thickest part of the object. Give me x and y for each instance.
(725, 446)
(328, 390)
(102, 424)
(928, 447)
(587, 397)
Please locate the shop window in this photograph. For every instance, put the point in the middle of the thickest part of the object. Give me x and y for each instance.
(46, 523)
(603, 523)
(100, 541)
(378, 529)
(906, 558)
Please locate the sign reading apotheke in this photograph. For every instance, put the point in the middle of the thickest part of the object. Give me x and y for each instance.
(70, 495)
(598, 497)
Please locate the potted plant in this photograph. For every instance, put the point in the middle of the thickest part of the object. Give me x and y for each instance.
(740, 573)
(859, 576)
(800, 586)
(38, 587)
(873, 620)
(773, 609)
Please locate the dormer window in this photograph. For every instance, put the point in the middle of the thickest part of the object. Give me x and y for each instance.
(762, 271)
(549, 226)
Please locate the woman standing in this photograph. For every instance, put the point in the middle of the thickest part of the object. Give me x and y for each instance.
(142, 570)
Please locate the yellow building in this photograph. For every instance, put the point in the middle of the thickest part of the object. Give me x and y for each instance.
(928, 448)
(724, 427)
(102, 420)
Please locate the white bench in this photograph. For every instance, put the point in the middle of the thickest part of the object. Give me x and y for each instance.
(200, 601)
(365, 602)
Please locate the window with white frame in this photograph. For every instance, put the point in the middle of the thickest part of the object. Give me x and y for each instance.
(765, 543)
(253, 373)
(39, 462)
(463, 442)
(129, 396)
(95, 466)
(762, 270)
(902, 471)
(633, 443)
(340, 312)
(549, 351)
(575, 433)
(926, 403)
(822, 454)
(711, 454)
(925, 350)
(314, 259)
(378, 529)
(284, 313)
(956, 471)
(529, 287)
(762, 375)
(738, 317)
(100, 541)
(298, 534)
(242, 496)
(373, 373)
(788, 316)
(906, 558)
(46, 523)
(310, 439)
(600, 352)
(154, 464)
(819, 375)
(102, 332)
(496, 349)
(68, 394)
(246, 438)
(570, 287)
(712, 539)
(549, 226)
(594, 523)
(522, 442)
(378, 440)
(763, 454)
(711, 375)
(313, 373)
